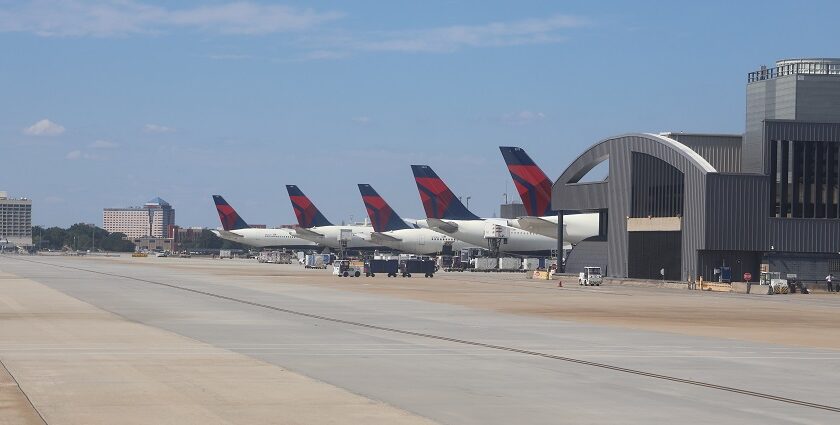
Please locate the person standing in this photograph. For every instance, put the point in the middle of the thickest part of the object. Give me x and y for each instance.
(828, 280)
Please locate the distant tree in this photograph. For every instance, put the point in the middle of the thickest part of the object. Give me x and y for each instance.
(80, 236)
(54, 238)
(116, 242)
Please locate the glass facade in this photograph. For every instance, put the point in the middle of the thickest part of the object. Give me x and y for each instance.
(806, 179)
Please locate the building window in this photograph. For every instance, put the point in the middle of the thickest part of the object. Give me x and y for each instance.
(805, 179)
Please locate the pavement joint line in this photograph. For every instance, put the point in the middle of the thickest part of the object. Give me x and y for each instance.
(460, 341)
(25, 395)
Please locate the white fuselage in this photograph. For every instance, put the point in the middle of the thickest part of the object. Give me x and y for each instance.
(422, 241)
(263, 238)
(577, 227)
(519, 241)
(330, 236)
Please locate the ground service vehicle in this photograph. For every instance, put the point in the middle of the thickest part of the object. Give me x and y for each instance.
(590, 276)
(416, 265)
(390, 267)
(343, 268)
(774, 279)
(317, 261)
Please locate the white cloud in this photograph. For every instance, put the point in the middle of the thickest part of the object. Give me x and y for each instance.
(44, 127)
(155, 128)
(522, 117)
(547, 30)
(497, 34)
(103, 144)
(77, 154)
(102, 18)
(324, 55)
(229, 57)
(361, 120)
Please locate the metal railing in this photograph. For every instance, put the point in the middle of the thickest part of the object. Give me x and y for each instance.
(804, 68)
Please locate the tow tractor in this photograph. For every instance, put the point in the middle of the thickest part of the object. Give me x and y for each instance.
(343, 268)
(590, 276)
(774, 279)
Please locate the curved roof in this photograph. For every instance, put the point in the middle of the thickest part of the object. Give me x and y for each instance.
(686, 151)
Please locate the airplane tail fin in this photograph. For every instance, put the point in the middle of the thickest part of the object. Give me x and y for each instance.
(306, 212)
(438, 200)
(382, 217)
(230, 219)
(533, 185)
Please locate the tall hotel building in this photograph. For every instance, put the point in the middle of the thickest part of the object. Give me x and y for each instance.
(152, 219)
(15, 220)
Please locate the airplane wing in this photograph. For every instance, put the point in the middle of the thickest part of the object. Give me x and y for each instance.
(536, 225)
(382, 238)
(443, 226)
(309, 235)
(224, 234)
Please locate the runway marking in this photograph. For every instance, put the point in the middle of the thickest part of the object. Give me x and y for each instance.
(605, 366)
(25, 395)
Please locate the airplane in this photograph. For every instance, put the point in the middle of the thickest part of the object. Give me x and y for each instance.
(235, 229)
(534, 188)
(392, 231)
(445, 213)
(315, 227)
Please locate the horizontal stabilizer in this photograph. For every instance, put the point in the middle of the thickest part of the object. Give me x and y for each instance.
(381, 238)
(536, 225)
(443, 226)
(309, 235)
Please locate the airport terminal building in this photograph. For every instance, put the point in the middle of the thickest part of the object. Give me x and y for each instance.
(689, 204)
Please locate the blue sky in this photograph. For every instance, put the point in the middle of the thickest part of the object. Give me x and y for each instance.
(111, 103)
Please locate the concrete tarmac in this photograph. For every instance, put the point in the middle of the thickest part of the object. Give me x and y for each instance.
(444, 362)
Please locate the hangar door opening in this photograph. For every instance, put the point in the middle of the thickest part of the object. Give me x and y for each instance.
(651, 252)
(655, 223)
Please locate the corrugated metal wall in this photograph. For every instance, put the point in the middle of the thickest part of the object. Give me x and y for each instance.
(802, 131)
(737, 207)
(766, 100)
(723, 151)
(804, 234)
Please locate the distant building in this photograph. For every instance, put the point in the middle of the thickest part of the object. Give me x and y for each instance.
(185, 234)
(15, 220)
(151, 243)
(153, 219)
(513, 210)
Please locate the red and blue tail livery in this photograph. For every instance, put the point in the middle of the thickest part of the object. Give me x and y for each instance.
(306, 212)
(533, 185)
(382, 217)
(230, 219)
(438, 200)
